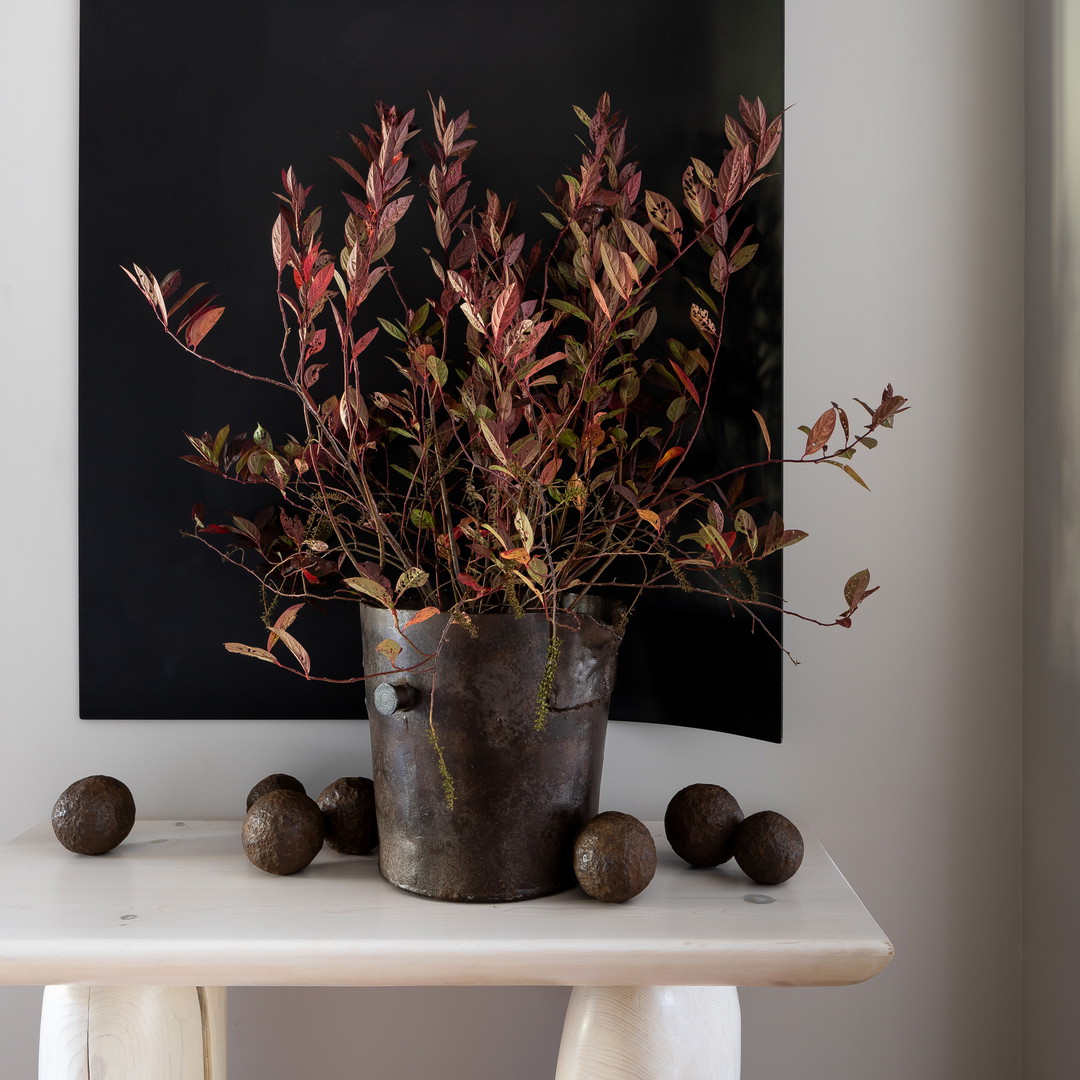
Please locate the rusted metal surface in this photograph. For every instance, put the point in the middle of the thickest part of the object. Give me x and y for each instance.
(520, 796)
(614, 857)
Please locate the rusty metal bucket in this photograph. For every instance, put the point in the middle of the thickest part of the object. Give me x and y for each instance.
(519, 796)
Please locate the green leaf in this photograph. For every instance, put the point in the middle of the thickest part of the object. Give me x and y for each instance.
(438, 369)
(390, 649)
(370, 587)
(418, 320)
(743, 256)
(392, 329)
(413, 578)
(569, 309)
(641, 240)
(247, 528)
(421, 519)
(524, 529)
(220, 440)
(645, 324)
(856, 587)
(855, 476)
(745, 524)
(706, 297)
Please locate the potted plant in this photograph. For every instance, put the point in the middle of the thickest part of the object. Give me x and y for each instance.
(517, 487)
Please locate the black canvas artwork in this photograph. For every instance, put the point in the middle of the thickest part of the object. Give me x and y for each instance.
(188, 114)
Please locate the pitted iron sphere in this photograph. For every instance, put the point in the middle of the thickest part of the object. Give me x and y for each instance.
(348, 809)
(614, 857)
(274, 782)
(93, 815)
(283, 831)
(700, 824)
(768, 848)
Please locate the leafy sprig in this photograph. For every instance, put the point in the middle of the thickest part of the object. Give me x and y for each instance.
(534, 446)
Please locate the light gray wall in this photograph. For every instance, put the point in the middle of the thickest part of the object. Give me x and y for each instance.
(904, 249)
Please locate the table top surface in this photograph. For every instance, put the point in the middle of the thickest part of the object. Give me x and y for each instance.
(179, 904)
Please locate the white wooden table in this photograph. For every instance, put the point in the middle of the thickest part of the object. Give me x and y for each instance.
(135, 949)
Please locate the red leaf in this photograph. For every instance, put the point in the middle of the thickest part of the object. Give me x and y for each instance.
(504, 309)
(251, 650)
(651, 517)
(685, 380)
(821, 432)
(317, 342)
(294, 647)
(539, 366)
(550, 471)
(764, 431)
(421, 616)
(472, 583)
(200, 327)
(393, 211)
(281, 243)
(319, 284)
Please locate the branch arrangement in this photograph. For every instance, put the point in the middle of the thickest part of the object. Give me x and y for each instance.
(533, 449)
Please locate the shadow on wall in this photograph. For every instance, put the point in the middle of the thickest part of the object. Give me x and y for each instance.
(1063, 527)
(450, 1032)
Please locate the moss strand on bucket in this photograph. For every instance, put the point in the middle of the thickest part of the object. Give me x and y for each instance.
(433, 738)
(547, 680)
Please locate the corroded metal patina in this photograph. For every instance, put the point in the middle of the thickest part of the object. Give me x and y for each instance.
(495, 817)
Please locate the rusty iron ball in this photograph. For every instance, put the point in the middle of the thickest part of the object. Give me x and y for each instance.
(768, 848)
(614, 857)
(274, 782)
(283, 831)
(348, 809)
(700, 824)
(93, 815)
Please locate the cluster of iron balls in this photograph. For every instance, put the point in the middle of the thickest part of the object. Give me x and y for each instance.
(705, 826)
(283, 831)
(284, 828)
(615, 856)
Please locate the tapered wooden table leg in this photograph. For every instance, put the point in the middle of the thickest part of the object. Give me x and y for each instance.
(132, 1033)
(651, 1033)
